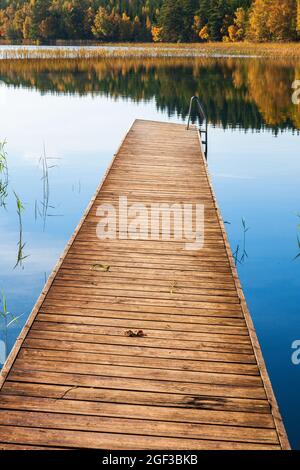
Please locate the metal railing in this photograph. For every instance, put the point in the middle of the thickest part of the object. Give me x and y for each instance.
(202, 122)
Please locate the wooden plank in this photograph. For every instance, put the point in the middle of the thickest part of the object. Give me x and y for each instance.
(209, 391)
(137, 427)
(87, 440)
(236, 353)
(151, 349)
(179, 339)
(186, 376)
(5, 446)
(118, 306)
(145, 302)
(142, 412)
(96, 277)
(177, 400)
(59, 353)
(112, 291)
(149, 273)
(131, 315)
(195, 379)
(152, 328)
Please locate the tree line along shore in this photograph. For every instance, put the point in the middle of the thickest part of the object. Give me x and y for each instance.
(172, 21)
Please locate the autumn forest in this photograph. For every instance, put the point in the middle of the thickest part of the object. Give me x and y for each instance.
(150, 20)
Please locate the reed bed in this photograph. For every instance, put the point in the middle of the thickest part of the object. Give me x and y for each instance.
(150, 50)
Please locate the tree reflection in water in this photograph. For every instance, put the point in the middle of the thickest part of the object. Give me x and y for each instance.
(250, 94)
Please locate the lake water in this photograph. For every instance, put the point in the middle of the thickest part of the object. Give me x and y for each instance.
(63, 120)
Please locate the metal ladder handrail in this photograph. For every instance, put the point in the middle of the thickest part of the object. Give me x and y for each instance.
(202, 118)
(201, 113)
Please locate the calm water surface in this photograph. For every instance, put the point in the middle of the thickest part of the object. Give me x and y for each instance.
(73, 114)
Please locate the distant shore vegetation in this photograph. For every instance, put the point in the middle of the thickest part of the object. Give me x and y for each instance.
(94, 50)
(171, 21)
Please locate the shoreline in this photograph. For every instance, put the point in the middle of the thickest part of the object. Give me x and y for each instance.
(151, 50)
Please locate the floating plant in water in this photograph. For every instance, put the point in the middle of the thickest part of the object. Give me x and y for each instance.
(3, 158)
(3, 175)
(21, 245)
(240, 255)
(42, 207)
(7, 319)
(3, 196)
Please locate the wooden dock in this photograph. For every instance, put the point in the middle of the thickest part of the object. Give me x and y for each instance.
(194, 379)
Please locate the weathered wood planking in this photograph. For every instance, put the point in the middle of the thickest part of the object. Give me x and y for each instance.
(197, 380)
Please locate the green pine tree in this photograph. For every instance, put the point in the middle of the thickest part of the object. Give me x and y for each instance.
(170, 20)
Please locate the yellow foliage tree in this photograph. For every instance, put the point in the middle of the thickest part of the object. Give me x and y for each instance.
(26, 27)
(197, 25)
(273, 20)
(237, 31)
(156, 33)
(282, 19)
(2, 23)
(258, 30)
(204, 33)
